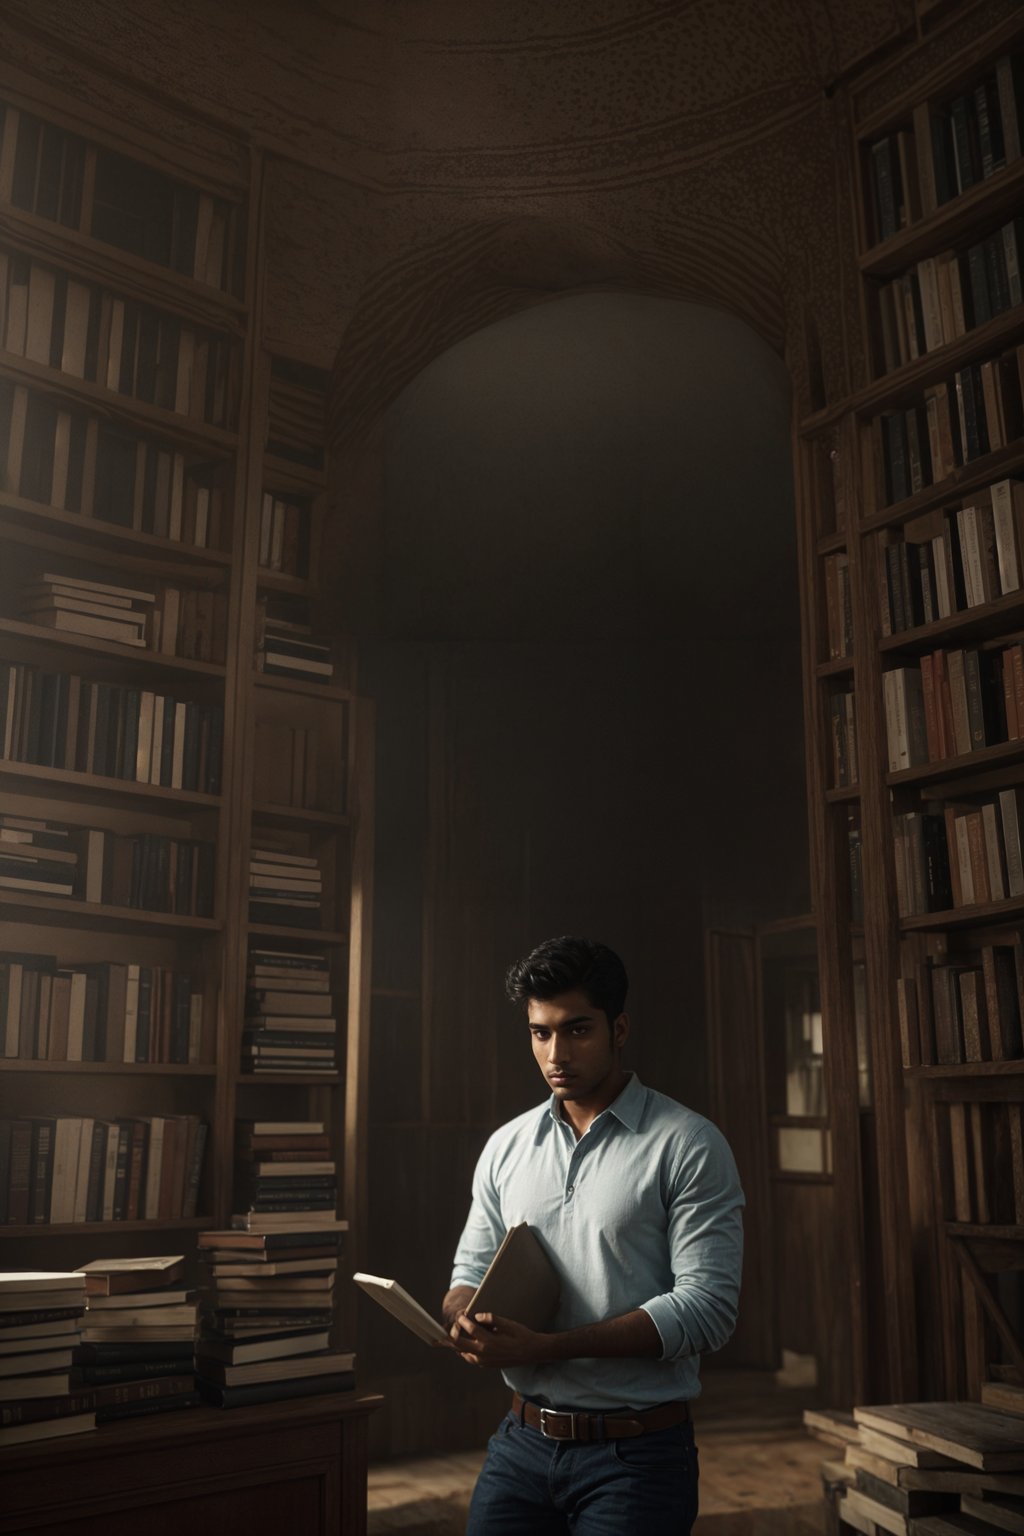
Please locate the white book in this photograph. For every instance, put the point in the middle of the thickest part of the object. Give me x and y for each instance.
(65, 1169)
(116, 342)
(1008, 516)
(61, 459)
(39, 323)
(76, 329)
(76, 1016)
(125, 595)
(17, 315)
(144, 746)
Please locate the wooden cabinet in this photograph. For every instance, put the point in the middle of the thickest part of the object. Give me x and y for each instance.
(298, 1466)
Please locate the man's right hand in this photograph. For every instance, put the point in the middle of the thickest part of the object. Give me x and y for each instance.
(456, 1301)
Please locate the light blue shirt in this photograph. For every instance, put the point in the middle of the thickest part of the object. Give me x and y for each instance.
(642, 1211)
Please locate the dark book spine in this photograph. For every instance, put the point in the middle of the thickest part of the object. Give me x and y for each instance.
(146, 1406)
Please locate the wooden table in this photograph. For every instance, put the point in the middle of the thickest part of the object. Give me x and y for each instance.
(279, 1469)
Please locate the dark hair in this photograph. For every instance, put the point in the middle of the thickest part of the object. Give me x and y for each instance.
(561, 965)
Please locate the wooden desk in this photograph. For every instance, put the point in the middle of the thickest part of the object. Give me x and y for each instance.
(279, 1469)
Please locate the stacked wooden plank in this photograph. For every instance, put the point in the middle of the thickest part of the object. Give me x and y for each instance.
(929, 1469)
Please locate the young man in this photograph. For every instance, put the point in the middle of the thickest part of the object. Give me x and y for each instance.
(637, 1202)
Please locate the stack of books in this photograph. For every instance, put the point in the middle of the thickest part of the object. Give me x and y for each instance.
(286, 648)
(285, 889)
(940, 1468)
(266, 1333)
(286, 1172)
(45, 863)
(289, 1023)
(138, 1337)
(89, 608)
(40, 1322)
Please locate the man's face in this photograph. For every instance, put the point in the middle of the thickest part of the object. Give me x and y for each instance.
(573, 1045)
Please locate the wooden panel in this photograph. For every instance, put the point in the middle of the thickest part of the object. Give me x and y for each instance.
(738, 1109)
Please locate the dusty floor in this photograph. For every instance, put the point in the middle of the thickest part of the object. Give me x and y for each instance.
(760, 1472)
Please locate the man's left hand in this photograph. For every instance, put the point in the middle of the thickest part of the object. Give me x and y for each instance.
(498, 1341)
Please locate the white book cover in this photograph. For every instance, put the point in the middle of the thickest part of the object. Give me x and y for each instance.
(76, 329)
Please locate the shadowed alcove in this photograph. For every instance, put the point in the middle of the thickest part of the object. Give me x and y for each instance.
(581, 636)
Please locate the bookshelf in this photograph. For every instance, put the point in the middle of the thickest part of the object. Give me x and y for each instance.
(913, 596)
(176, 698)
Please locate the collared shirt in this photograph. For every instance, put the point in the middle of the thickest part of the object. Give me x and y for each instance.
(644, 1210)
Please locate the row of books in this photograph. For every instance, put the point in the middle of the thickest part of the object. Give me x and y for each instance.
(935, 1468)
(843, 722)
(945, 296)
(133, 349)
(70, 1168)
(284, 535)
(187, 622)
(950, 148)
(838, 605)
(265, 1333)
(958, 420)
(289, 1017)
(955, 702)
(83, 464)
(61, 720)
(145, 871)
(102, 1011)
(42, 170)
(954, 558)
(285, 889)
(963, 1006)
(986, 1155)
(969, 855)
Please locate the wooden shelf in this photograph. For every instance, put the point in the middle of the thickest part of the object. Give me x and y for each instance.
(970, 762)
(36, 525)
(295, 685)
(991, 1233)
(965, 917)
(86, 1228)
(67, 912)
(319, 936)
(294, 816)
(839, 666)
(844, 795)
(132, 276)
(103, 1068)
(63, 640)
(984, 622)
(92, 786)
(949, 225)
(966, 1069)
(285, 475)
(972, 476)
(903, 385)
(302, 1079)
(136, 414)
(278, 581)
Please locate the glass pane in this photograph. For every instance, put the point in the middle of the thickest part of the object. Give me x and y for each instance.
(801, 1151)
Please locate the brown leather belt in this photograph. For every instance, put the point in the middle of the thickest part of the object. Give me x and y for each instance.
(574, 1424)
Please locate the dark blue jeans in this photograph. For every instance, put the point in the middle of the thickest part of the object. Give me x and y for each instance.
(532, 1486)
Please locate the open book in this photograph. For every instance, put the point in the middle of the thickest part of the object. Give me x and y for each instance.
(520, 1283)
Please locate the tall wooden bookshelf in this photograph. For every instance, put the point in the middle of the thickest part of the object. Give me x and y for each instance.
(149, 441)
(910, 625)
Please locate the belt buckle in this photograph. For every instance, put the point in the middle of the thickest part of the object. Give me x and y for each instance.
(552, 1434)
